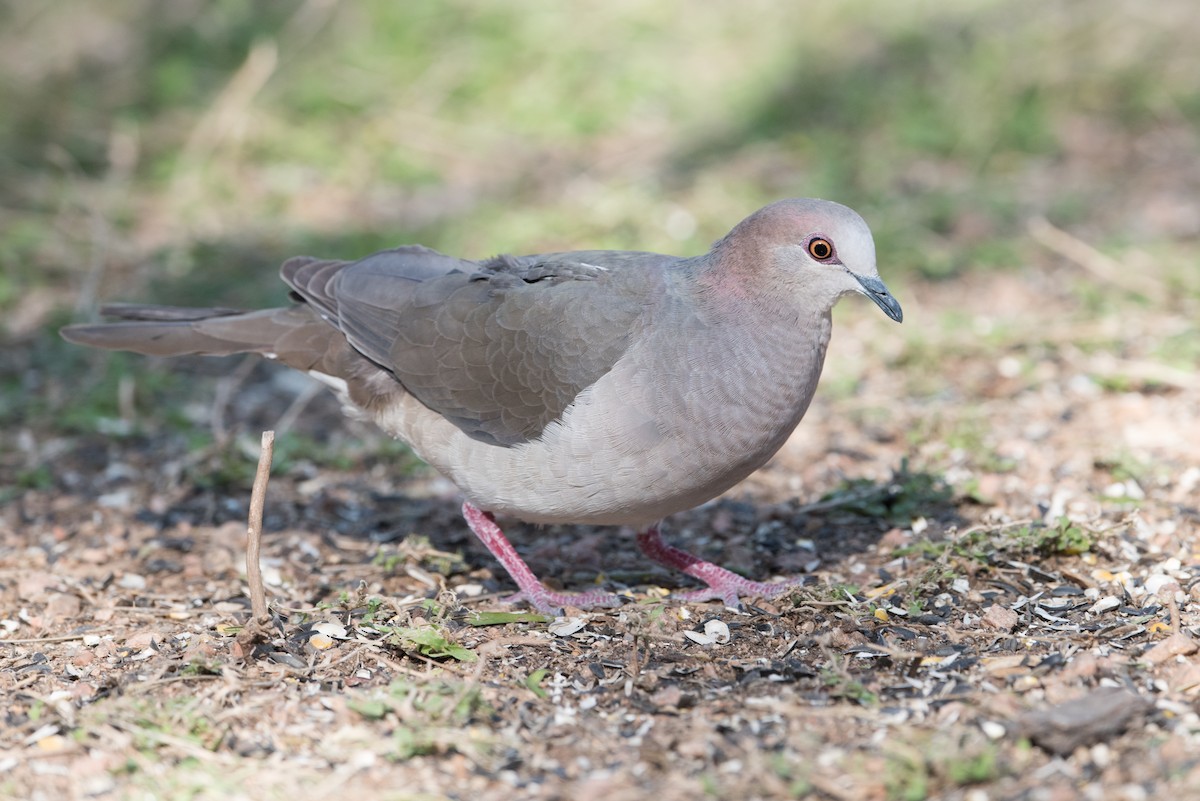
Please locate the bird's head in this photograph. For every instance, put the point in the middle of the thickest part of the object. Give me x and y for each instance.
(811, 250)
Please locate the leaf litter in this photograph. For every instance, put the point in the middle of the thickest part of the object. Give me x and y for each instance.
(1005, 611)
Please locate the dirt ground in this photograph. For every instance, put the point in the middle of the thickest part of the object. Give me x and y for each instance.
(997, 505)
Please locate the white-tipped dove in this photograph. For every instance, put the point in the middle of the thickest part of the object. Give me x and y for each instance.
(597, 387)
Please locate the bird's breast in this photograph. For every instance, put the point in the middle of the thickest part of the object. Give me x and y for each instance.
(675, 423)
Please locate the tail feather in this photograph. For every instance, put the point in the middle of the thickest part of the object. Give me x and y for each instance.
(296, 336)
(177, 331)
(145, 311)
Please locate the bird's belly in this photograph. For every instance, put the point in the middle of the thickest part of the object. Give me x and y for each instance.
(616, 458)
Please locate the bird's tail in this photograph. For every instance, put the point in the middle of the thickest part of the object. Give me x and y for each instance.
(295, 335)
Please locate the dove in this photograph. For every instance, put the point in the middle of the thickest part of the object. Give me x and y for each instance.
(598, 387)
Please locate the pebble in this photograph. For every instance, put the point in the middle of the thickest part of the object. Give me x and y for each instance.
(132, 581)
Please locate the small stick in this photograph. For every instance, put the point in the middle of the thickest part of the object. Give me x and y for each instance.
(41, 640)
(258, 497)
(1166, 594)
(1102, 266)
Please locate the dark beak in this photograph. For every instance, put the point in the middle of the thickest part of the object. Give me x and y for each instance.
(875, 289)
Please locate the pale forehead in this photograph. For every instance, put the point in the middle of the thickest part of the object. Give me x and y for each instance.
(799, 218)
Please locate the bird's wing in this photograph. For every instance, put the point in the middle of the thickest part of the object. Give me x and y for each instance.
(500, 348)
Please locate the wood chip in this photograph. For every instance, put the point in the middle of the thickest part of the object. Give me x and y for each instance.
(1096, 717)
(1178, 644)
(1000, 618)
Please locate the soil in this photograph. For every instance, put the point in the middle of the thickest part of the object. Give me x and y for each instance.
(997, 506)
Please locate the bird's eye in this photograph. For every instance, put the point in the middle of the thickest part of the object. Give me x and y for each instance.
(820, 249)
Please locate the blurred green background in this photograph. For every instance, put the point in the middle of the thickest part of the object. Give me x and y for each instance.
(178, 151)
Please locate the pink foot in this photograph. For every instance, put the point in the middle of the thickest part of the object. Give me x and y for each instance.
(531, 590)
(723, 584)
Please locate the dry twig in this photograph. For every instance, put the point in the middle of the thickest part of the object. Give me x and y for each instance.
(258, 496)
(1102, 267)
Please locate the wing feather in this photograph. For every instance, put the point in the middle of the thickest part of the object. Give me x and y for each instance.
(501, 348)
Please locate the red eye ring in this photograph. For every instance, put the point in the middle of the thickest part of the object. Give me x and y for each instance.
(820, 248)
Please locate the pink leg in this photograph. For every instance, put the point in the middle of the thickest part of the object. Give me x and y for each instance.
(531, 590)
(722, 584)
